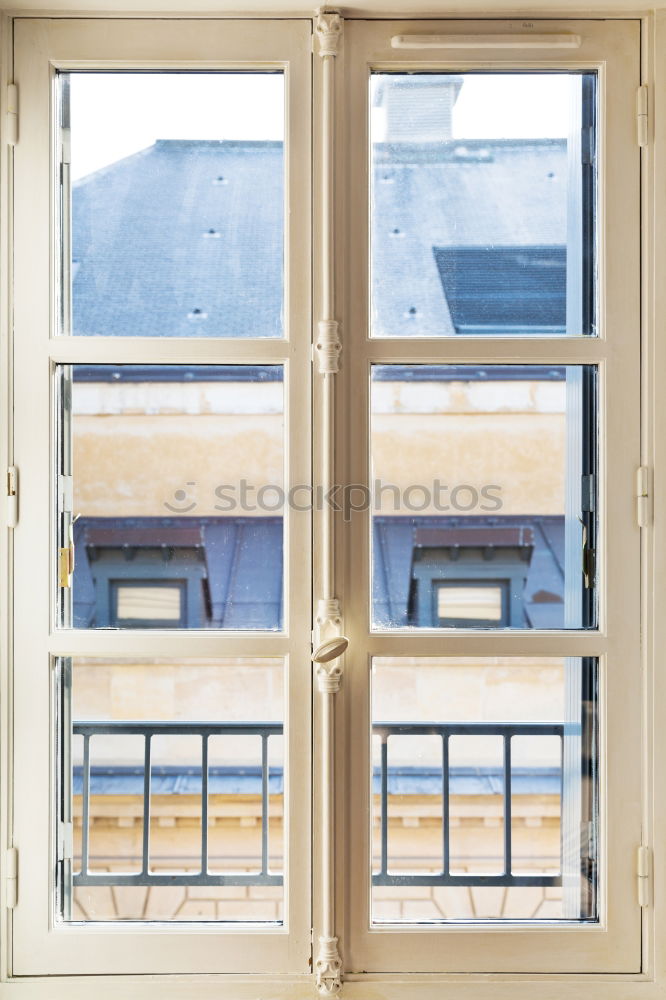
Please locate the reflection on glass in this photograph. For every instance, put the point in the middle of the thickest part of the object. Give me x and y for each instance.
(482, 204)
(483, 488)
(469, 603)
(173, 204)
(177, 495)
(484, 772)
(145, 604)
(212, 847)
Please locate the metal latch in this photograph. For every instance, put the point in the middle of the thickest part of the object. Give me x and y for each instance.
(643, 874)
(643, 496)
(12, 496)
(11, 878)
(642, 128)
(12, 114)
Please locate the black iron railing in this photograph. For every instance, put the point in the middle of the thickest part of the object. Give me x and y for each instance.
(203, 730)
(445, 730)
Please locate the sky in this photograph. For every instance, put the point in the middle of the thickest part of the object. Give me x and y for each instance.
(116, 114)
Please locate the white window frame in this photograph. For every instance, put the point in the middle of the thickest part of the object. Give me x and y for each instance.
(42, 944)
(615, 941)
(391, 979)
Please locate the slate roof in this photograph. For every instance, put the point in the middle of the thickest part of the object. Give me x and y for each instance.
(395, 538)
(243, 563)
(242, 557)
(143, 264)
(144, 260)
(476, 193)
(237, 780)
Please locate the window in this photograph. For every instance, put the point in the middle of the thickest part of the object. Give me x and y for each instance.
(327, 647)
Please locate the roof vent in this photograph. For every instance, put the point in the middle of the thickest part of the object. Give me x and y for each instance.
(220, 179)
(211, 234)
(196, 315)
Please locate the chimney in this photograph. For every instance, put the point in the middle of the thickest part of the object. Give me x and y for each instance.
(418, 107)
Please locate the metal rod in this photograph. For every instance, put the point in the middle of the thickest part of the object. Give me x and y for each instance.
(85, 820)
(507, 804)
(446, 825)
(328, 861)
(146, 805)
(106, 728)
(328, 473)
(188, 878)
(264, 805)
(384, 802)
(204, 804)
(471, 880)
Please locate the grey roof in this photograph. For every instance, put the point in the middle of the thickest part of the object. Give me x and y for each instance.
(242, 560)
(496, 193)
(395, 539)
(238, 780)
(142, 262)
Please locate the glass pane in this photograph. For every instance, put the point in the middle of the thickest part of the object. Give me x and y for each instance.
(215, 789)
(484, 771)
(483, 496)
(482, 204)
(173, 204)
(176, 497)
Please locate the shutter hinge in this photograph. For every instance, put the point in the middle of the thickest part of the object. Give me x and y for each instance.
(643, 496)
(642, 121)
(12, 114)
(11, 878)
(643, 875)
(12, 496)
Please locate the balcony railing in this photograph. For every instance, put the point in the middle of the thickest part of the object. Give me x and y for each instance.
(204, 730)
(266, 730)
(444, 731)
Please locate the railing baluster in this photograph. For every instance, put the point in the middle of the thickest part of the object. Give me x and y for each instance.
(146, 804)
(264, 804)
(85, 819)
(204, 803)
(507, 803)
(445, 805)
(384, 805)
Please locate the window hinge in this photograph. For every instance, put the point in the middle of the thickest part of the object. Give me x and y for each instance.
(642, 126)
(66, 566)
(11, 878)
(12, 496)
(66, 842)
(643, 874)
(12, 114)
(643, 496)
